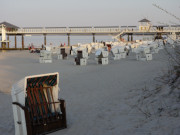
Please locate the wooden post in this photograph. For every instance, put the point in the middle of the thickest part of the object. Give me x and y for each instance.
(22, 41)
(8, 40)
(120, 37)
(44, 39)
(3, 45)
(68, 39)
(131, 37)
(128, 37)
(63, 110)
(15, 40)
(93, 37)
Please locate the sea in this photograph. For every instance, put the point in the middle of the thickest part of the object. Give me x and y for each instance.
(38, 40)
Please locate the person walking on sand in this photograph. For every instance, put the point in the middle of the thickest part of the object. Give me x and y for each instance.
(42, 46)
(127, 49)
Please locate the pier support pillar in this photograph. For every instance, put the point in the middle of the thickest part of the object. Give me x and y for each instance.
(44, 39)
(69, 40)
(131, 37)
(120, 37)
(15, 41)
(8, 40)
(93, 37)
(3, 45)
(128, 37)
(22, 41)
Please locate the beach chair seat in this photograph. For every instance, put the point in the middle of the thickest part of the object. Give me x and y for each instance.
(81, 58)
(102, 57)
(63, 54)
(42, 111)
(45, 57)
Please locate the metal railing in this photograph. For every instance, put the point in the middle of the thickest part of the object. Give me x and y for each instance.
(87, 30)
(64, 30)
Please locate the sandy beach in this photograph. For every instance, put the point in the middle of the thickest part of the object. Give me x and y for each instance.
(90, 67)
(97, 97)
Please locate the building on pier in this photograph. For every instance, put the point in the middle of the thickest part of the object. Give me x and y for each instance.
(6, 27)
(144, 25)
(9, 26)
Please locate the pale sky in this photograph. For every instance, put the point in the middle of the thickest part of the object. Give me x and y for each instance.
(60, 13)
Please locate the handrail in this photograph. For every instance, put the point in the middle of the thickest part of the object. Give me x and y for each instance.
(87, 30)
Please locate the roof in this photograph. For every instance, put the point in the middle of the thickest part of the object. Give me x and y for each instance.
(132, 26)
(9, 25)
(144, 20)
(106, 26)
(160, 25)
(22, 84)
(128, 26)
(175, 25)
(82, 27)
(32, 27)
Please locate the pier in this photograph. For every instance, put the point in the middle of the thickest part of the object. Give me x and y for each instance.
(117, 32)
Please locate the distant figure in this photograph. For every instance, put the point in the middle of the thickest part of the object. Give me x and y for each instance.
(29, 48)
(61, 45)
(64, 44)
(127, 49)
(164, 42)
(104, 43)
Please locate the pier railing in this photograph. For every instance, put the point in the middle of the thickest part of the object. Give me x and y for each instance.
(169, 29)
(63, 30)
(69, 30)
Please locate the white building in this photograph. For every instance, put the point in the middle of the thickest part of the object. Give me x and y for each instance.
(144, 25)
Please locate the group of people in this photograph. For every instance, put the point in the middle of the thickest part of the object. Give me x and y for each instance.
(32, 49)
(63, 45)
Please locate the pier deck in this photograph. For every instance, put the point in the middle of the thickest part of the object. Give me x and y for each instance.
(115, 31)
